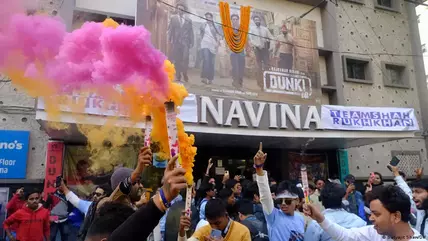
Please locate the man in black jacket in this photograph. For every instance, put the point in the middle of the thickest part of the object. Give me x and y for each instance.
(150, 215)
(111, 215)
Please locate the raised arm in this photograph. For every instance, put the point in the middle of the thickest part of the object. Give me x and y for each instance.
(336, 231)
(150, 215)
(263, 182)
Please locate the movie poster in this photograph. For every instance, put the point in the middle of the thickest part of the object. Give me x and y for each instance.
(86, 168)
(279, 62)
(315, 164)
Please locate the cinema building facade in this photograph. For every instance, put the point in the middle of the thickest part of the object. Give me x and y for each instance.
(342, 88)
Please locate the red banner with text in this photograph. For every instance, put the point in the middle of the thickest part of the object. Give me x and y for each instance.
(54, 163)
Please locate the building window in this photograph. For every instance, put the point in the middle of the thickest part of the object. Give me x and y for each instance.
(385, 3)
(394, 75)
(390, 5)
(409, 161)
(357, 69)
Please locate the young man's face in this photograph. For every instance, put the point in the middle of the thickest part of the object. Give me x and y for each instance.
(256, 198)
(231, 200)
(257, 21)
(377, 180)
(320, 184)
(219, 223)
(98, 194)
(33, 201)
(211, 193)
(235, 20)
(384, 222)
(419, 196)
(287, 205)
(237, 189)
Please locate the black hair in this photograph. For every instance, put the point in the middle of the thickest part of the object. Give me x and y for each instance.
(215, 208)
(225, 193)
(393, 199)
(319, 179)
(245, 207)
(331, 195)
(250, 191)
(111, 215)
(422, 183)
(273, 188)
(287, 186)
(32, 191)
(380, 176)
(106, 187)
(231, 183)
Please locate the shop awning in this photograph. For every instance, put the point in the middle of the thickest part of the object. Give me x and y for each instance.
(223, 135)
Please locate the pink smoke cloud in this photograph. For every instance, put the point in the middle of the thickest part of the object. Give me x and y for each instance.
(93, 56)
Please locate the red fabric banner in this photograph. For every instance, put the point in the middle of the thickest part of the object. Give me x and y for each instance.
(54, 163)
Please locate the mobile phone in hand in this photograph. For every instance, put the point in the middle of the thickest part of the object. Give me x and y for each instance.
(215, 233)
(394, 162)
(58, 181)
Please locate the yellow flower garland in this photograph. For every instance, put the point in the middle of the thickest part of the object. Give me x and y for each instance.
(235, 40)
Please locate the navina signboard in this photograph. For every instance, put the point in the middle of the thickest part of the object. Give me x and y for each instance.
(272, 115)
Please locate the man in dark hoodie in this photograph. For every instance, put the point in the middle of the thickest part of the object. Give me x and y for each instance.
(32, 220)
(60, 208)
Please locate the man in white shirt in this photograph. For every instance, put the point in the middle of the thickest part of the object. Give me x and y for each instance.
(390, 214)
(260, 40)
(210, 40)
(284, 48)
(419, 199)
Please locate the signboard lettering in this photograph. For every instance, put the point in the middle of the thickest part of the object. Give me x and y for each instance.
(54, 165)
(13, 153)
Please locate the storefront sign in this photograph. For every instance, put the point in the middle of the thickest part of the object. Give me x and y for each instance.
(280, 61)
(262, 115)
(368, 118)
(54, 157)
(95, 105)
(13, 153)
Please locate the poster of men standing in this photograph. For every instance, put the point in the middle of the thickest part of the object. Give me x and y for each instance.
(279, 61)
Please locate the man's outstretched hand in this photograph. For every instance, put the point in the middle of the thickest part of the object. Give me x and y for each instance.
(259, 160)
(313, 212)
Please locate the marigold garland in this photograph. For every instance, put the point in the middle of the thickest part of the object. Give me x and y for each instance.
(235, 39)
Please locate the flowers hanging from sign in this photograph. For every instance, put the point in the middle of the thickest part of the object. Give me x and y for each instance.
(235, 36)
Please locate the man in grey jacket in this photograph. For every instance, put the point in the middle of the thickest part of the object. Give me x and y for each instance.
(418, 197)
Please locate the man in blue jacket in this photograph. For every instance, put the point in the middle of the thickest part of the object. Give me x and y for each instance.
(331, 198)
(353, 200)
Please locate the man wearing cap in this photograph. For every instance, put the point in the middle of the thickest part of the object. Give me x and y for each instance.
(283, 222)
(260, 40)
(210, 41)
(181, 39)
(284, 48)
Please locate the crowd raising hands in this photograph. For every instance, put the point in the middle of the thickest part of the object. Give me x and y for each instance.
(237, 208)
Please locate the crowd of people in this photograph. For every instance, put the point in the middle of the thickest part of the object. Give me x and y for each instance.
(240, 210)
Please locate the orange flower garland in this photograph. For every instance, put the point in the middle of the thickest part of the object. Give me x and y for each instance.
(235, 40)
